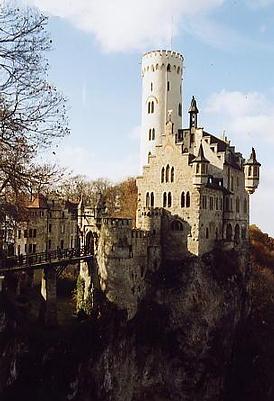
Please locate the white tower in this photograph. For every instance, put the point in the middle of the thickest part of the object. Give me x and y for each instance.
(161, 92)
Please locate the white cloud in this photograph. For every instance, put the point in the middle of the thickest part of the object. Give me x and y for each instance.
(247, 115)
(120, 25)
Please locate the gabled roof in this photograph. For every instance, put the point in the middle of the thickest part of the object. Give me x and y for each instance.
(39, 202)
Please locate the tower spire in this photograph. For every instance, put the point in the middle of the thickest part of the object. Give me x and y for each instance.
(193, 112)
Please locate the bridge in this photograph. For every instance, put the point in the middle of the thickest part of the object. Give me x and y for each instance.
(52, 263)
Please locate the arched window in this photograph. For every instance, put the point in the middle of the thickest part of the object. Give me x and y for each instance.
(168, 68)
(147, 199)
(164, 199)
(245, 206)
(169, 200)
(152, 107)
(180, 109)
(237, 205)
(153, 134)
(163, 174)
(229, 232)
(152, 199)
(243, 233)
(177, 225)
(183, 199)
(148, 107)
(167, 173)
(172, 174)
(237, 233)
(227, 204)
(187, 199)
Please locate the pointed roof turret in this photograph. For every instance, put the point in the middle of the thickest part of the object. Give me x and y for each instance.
(193, 106)
(201, 156)
(252, 160)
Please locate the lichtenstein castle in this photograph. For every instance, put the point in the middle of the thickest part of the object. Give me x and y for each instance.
(193, 194)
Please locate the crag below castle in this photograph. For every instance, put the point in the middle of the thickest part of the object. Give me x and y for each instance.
(177, 347)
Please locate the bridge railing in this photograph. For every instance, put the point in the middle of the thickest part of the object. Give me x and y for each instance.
(43, 257)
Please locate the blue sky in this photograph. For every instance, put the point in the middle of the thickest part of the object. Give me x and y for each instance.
(229, 62)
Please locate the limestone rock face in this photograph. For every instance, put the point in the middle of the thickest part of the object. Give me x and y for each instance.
(178, 346)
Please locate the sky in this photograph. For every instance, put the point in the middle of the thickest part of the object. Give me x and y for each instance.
(228, 47)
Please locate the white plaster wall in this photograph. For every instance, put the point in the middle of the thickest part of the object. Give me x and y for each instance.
(154, 71)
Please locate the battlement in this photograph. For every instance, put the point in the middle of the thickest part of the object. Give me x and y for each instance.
(163, 53)
(117, 222)
(162, 60)
(151, 212)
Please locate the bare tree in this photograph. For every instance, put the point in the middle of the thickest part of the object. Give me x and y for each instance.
(30, 106)
(32, 111)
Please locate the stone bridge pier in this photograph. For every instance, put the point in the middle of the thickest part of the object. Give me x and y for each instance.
(49, 301)
(90, 286)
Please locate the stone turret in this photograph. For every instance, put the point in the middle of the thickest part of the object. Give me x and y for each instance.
(161, 92)
(200, 165)
(252, 173)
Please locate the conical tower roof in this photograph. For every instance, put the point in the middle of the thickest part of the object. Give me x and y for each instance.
(252, 160)
(193, 106)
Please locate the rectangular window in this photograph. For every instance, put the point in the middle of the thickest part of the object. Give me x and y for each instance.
(30, 248)
(168, 85)
(34, 233)
(49, 244)
(217, 203)
(34, 248)
(49, 228)
(25, 233)
(204, 202)
(211, 202)
(19, 234)
(30, 233)
(62, 244)
(18, 250)
(221, 204)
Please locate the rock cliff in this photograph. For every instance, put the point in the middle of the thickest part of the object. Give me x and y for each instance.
(177, 347)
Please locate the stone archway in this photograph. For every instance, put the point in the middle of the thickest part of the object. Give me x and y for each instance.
(89, 243)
